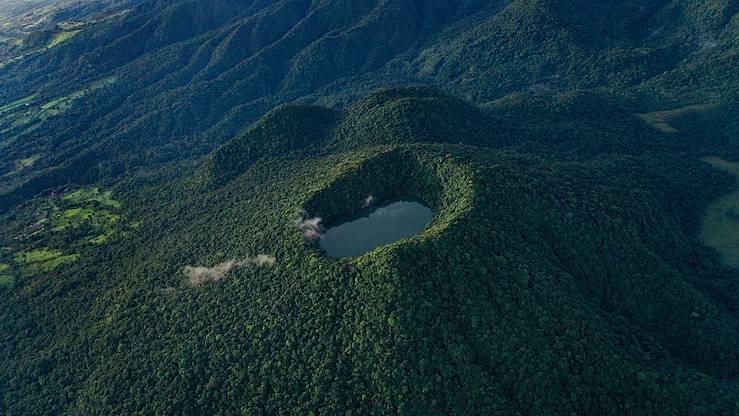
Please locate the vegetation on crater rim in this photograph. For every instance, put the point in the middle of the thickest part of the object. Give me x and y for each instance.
(564, 272)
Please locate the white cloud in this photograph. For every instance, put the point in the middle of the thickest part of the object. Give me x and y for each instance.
(263, 260)
(369, 201)
(311, 228)
(199, 274)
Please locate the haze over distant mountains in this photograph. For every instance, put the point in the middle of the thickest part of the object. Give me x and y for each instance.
(194, 73)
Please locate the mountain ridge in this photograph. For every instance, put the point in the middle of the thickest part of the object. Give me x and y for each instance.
(560, 145)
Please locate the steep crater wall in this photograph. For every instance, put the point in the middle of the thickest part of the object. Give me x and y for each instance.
(444, 185)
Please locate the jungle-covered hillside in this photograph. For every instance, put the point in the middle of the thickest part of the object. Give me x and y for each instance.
(166, 164)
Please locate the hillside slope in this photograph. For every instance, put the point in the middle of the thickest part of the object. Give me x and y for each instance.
(160, 159)
(189, 75)
(546, 284)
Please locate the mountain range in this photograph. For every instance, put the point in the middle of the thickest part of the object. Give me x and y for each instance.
(572, 152)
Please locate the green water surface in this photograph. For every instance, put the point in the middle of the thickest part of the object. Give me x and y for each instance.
(384, 223)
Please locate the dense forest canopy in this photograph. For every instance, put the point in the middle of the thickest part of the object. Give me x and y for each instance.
(165, 165)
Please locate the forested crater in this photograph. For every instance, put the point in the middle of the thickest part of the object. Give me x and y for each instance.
(436, 189)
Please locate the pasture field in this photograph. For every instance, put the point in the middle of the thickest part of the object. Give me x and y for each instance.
(721, 222)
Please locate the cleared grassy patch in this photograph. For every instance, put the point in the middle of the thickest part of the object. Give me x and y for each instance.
(50, 265)
(37, 256)
(62, 37)
(102, 238)
(77, 217)
(62, 104)
(43, 259)
(28, 113)
(23, 102)
(94, 194)
(26, 163)
(721, 222)
(71, 220)
(93, 213)
(661, 120)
